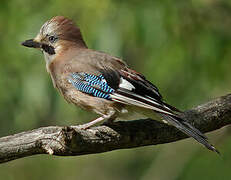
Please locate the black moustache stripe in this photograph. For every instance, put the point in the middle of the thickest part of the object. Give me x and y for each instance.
(48, 49)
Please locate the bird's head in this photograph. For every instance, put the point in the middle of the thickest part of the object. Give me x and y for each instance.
(56, 35)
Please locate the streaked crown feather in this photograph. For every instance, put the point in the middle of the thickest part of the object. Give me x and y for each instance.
(64, 28)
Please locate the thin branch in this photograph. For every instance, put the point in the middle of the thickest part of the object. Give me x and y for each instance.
(73, 141)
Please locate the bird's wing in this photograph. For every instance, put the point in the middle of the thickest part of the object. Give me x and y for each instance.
(91, 84)
(129, 87)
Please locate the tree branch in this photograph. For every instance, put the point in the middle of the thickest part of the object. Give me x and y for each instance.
(72, 141)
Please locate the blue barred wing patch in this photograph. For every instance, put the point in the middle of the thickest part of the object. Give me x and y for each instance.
(91, 84)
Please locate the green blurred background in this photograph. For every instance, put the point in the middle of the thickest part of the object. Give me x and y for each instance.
(181, 46)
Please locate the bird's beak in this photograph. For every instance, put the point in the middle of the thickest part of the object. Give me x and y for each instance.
(31, 43)
(36, 43)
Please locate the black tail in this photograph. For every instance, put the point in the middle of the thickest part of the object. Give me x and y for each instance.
(188, 129)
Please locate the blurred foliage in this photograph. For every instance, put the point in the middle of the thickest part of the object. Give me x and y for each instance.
(181, 46)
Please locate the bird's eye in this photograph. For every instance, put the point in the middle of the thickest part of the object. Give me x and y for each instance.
(52, 39)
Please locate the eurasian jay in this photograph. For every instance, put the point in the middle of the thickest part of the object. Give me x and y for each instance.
(102, 83)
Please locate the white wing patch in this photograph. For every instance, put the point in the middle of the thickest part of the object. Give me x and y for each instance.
(125, 84)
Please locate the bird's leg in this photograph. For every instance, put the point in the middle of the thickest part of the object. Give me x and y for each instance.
(92, 123)
(110, 117)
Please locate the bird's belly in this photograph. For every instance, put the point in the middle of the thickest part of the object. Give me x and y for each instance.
(98, 105)
(129, 116)
(129, 113)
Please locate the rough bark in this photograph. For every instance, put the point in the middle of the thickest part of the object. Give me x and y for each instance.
(73, 141)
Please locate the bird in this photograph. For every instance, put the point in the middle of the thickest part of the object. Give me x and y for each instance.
(101, 83)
